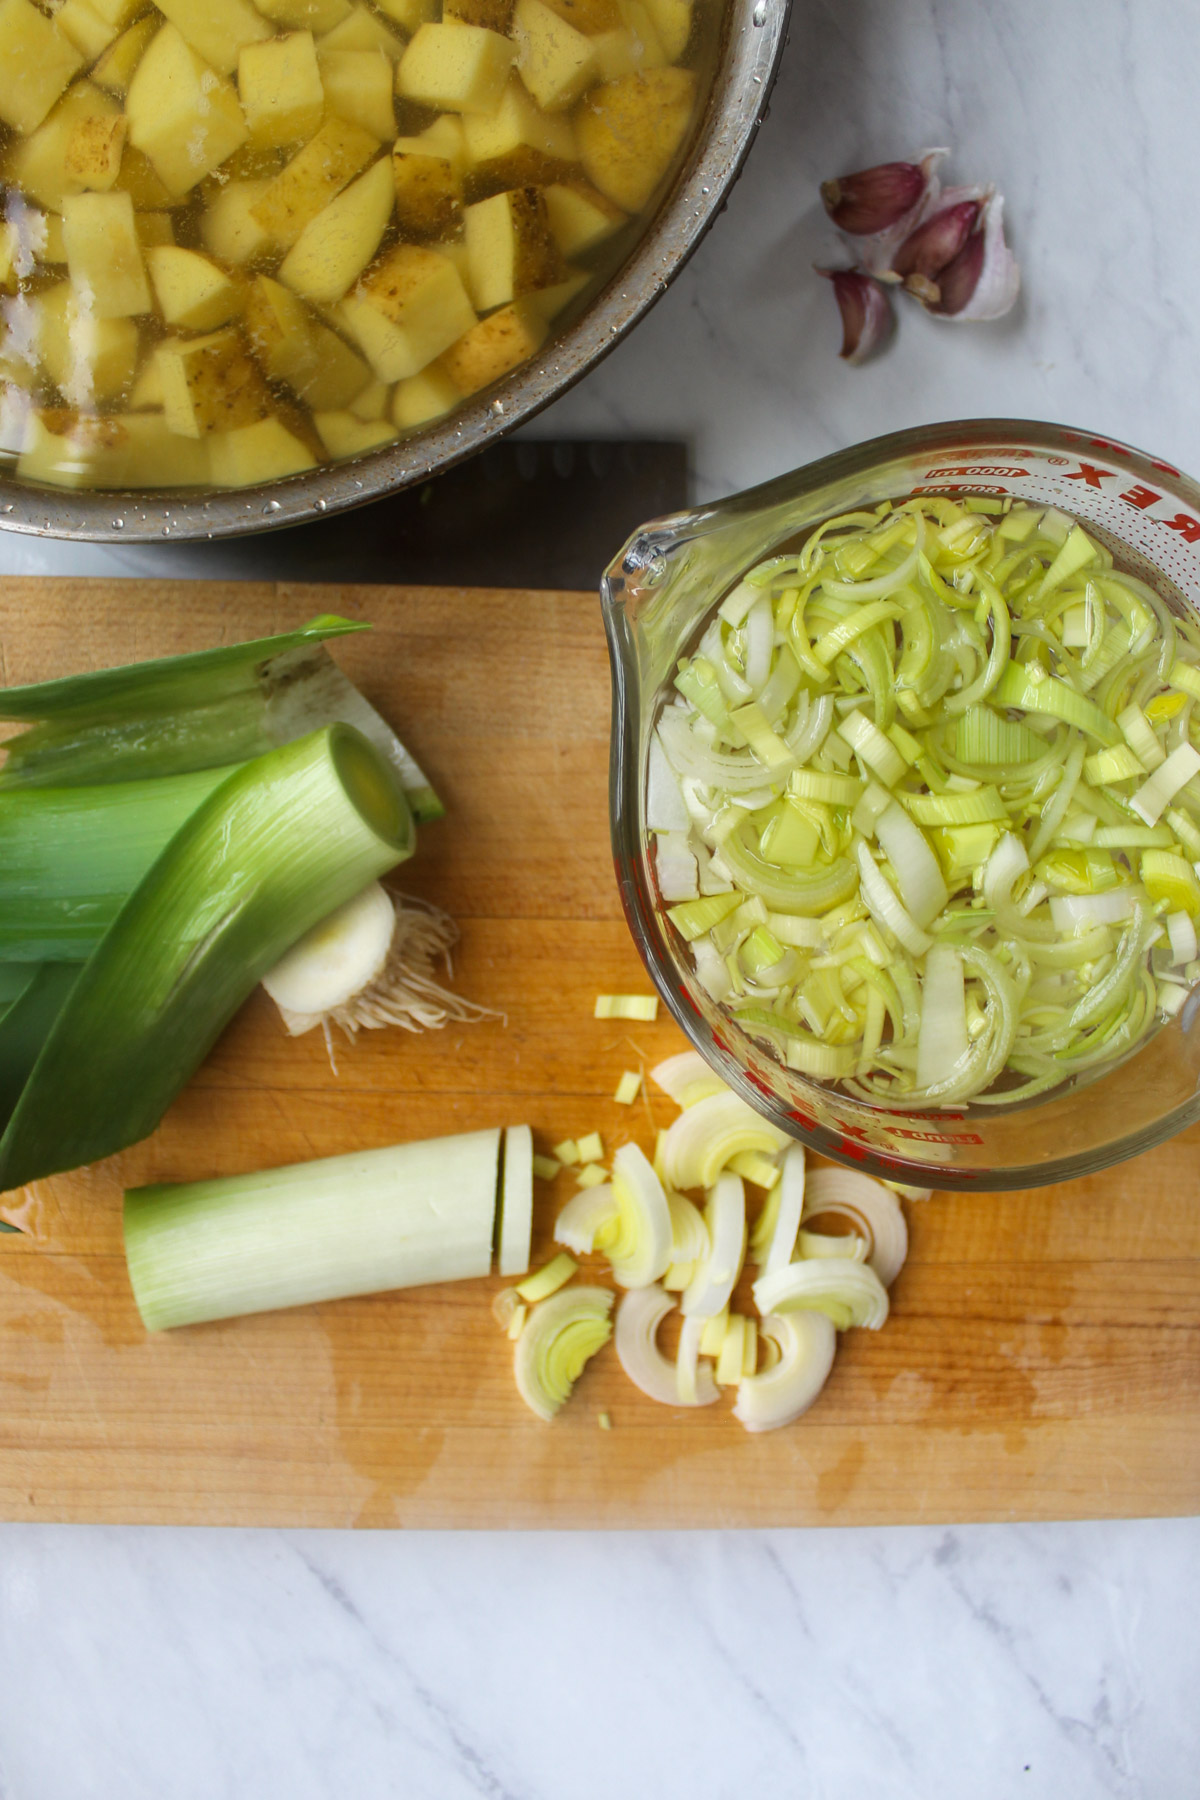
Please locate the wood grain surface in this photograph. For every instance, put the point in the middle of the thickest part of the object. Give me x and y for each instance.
(1042, 1359)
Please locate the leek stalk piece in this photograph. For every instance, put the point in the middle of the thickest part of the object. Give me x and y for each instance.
(585, 1217)
(71, 857)
(358, 1224)
(204, 710)
(806, 1342)
(280, 844)
(640, 1249)
(516, 1201)
(687, 1078)
(849, 1292)
(559, 1338)
(701, 1141)
(548, 1279)
(870, 1207)
(27, 1023)
(716, 1277)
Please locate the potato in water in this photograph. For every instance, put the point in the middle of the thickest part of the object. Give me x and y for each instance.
(239, 240)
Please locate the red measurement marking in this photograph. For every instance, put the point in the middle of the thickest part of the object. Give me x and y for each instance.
(976, 469)
(1140, 496)
(1164, 468)
(1187, 527)
(1089, 473)
(1113, 449)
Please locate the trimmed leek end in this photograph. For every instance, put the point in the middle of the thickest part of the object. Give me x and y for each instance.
(516, 1200)
(591, 1147)
(560, 1337)
(548, 1279)
(567, 1152)
(848, 1292)
(358, 1224)
(628, 1088)
(591, 1175)
(806, 1342)
(546, 1167)
(628, 1006)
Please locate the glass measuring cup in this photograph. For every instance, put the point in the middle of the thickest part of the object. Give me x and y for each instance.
(668, 578)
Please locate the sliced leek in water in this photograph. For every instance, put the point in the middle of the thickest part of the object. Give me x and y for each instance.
(204, 710)
(358, 1224)
(280, 844)
(969, 742)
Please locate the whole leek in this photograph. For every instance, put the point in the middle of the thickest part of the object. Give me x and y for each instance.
(278, 845)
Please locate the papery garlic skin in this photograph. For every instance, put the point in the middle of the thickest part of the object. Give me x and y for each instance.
(865, 309)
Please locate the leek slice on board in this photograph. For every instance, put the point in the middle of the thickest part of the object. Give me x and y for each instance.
(558, 1338)
(358, 1224)
(279, 845)
(204, 710)
(516, 1201)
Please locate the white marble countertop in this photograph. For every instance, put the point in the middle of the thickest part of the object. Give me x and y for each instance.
(990, 1661)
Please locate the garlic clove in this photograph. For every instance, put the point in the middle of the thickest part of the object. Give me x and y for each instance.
(984, 279)
(875, 253)
(873, 200)
(865, 309)
(936, 242)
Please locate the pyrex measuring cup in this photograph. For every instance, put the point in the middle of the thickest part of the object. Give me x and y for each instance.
(667, 579)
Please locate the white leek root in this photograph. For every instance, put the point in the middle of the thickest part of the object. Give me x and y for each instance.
(357, 972)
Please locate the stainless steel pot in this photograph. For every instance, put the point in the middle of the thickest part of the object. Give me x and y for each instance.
(752, 41)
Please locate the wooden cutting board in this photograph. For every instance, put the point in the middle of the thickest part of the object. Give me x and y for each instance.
(1042, 1359)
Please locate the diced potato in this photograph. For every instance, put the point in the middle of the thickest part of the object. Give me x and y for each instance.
(589, 16)
(372, 402)
(150, 455)
(38, 164)
(624, 52)
(579, 216)
(363, 29)
(104, 254)
(457, 68)
(428, 192)
(550, 301)
(358, 86)
(423, 397)
(266, 451)
(154, 229)
(334, 248)
(147, 394)
(279, 331)
(339, 373)
(672, 21)
(115, 69)
(648, 49)
(120, 13)
(218, 30)
(407, 310)
(211, 384)
(53, 247)
(517, 145)
(494, 346)
(229, 228)
(510, 248)
(344, 435)
(630, 130)
(63, 449)
(192, 292)
(493, 15)
(141, 181)
(94, 149)
(279, 86)
(184, 117)
(312, 178)
(8, 257)
(556, 62)
(91, 361)
(445, 138)
(410, 15)
(37, 60)
(305, 15)
(90, 34)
